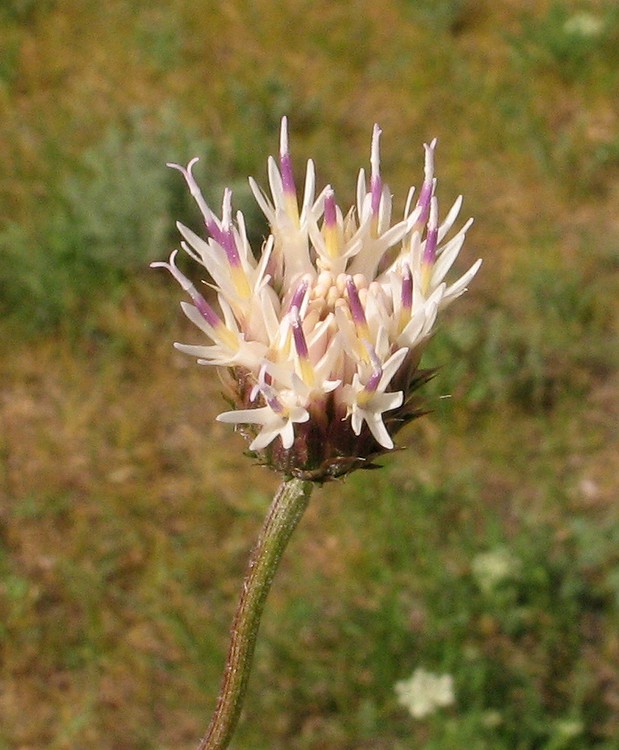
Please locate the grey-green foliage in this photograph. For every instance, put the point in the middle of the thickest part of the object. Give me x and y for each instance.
(112, 214)
(120, 203)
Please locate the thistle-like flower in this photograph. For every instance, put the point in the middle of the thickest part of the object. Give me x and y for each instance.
(322, 332)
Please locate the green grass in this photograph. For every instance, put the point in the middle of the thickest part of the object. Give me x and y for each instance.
(127, 513)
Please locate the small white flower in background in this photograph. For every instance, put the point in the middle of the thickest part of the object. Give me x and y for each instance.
(323, 330)
(424, 692)
(584, 24)
(491, 569)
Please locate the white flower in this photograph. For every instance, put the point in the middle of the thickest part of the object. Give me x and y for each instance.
(424, 692)
(323, 330)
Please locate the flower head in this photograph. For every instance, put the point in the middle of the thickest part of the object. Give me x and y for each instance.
(322, 331)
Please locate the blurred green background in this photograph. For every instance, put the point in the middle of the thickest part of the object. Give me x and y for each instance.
(127, 513)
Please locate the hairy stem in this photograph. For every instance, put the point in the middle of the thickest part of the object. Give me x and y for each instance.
(284, 514)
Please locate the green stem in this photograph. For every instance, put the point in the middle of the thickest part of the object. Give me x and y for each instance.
(284, 514)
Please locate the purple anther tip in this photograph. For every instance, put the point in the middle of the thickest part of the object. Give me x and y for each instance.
(298, 295)
(374, 380)
(427, 189)
(270, 396)
(330, 212)
(285, 162)
(429, 251)
(225, 238)
(407, 287)
(356, 307)
(215, 232)
(205, 310)
(297, 332)
(231, 249)
(425, 196)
